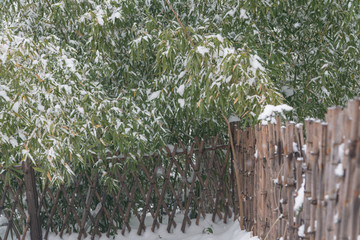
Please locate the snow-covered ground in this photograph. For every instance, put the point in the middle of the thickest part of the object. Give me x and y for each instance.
(206, 230)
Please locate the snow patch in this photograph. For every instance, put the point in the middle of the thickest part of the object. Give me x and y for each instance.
(114, 16)
(4, 95)
(301, 231)
(202, 50)
(341, 151)
(295, 147)
(81, 110)
(181, 101)
(154, 95)
(4, 48)
(13, 142)
(288, 91)
(181, 90)
(255, 63)
(99, 15)
(16, 107)
(325, 91)
(41, 108)
(220, 38)
(299, 200)
(339, 170)
(270, 110)
(234, 118)
(205, 230)
(231, 12)
(243, 14)
(70, 63)
(182, 74)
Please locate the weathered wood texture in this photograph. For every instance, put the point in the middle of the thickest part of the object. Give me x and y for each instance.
(278, 167)
(195, 180)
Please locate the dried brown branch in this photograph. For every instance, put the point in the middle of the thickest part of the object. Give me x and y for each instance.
(178, 20)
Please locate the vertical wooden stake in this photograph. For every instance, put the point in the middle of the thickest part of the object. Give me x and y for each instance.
(32, 201)
(237, 174)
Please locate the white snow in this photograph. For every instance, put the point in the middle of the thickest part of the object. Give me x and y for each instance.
(70, 63)
(288, 91)
(234, 118)
(325, 91)
(299, 198)
(99, 15)
(41, 108)
(255, 63)
(227, 51)
(3, 225)
(297, 25)
(4, 95)
(227, 80)
(154, 95)
(231, 12)
(301, 231)
(304, 148)
(4, 52)
(182, 74)
(220, 38)
(243, 14)
(339, 170)
(202, 50)
(206, 230)
(270, 110)
(114, 16)
(181, 101)
(13, 142)
(295, 147)
(341, 151)
(181, 90)
(16, 106)
(171, 147)
(81, 110)
(217, 36)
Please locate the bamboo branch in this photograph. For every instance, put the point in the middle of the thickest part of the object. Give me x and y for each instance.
(178, 20)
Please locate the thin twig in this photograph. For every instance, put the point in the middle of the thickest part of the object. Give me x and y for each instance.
(272, 226)
(177, 18)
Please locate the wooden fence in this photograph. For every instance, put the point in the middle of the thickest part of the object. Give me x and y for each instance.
(288, 188)
(296, 189)
(195, 180)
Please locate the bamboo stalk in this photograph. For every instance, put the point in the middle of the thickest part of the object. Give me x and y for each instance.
(237, 173)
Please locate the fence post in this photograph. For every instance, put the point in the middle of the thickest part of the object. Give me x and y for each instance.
(32, 201)
(235, 159)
